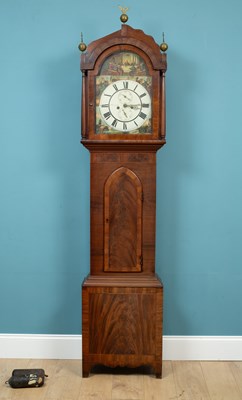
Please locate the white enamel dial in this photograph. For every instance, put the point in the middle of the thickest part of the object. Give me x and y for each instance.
(125, 105)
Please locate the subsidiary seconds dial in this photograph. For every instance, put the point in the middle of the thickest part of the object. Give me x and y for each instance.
(125, 105)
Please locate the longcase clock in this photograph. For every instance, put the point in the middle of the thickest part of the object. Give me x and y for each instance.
(123, 126)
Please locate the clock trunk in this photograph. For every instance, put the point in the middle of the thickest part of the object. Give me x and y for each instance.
(123, 204)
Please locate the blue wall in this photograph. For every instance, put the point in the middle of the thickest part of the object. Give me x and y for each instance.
(44, 171)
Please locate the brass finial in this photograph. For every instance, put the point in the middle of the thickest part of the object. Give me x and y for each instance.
(164, 45)
(124, 17)
(82, 46)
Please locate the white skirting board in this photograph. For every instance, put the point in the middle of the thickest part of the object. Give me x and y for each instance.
(70, 347)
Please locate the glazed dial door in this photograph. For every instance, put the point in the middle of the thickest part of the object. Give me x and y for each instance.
(123, 95)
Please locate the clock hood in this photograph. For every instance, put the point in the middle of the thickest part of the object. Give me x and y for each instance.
(127, 36)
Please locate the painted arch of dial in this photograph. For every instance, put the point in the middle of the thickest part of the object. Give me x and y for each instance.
(125, 105)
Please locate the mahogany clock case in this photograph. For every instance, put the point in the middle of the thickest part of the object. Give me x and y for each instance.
(123, 126)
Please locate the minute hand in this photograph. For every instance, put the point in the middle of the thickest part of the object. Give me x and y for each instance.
(134, 106)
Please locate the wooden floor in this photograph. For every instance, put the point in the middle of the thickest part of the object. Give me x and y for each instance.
(181, 380)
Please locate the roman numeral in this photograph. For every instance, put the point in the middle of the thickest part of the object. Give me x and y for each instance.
(104, 105)
(135, 123)
(126, 84)
(145, 105)
(108, 95)
(142, 95)
(125, 126)
(107, 115)
(114, 123)
(135, 88)
(142, 115)
(115, 87)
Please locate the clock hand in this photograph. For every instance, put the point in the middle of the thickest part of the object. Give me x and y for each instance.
(126, 97)
(134, 106)
(125, 113)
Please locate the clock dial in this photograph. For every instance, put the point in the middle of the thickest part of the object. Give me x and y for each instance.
(123, 95)
(125, 105)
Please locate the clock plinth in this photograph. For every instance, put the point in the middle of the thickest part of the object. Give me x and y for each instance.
(127, 328)
(123, 126)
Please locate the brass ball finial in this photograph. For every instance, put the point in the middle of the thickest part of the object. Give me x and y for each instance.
(124, 17)
(164, 45)
(82, 46)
